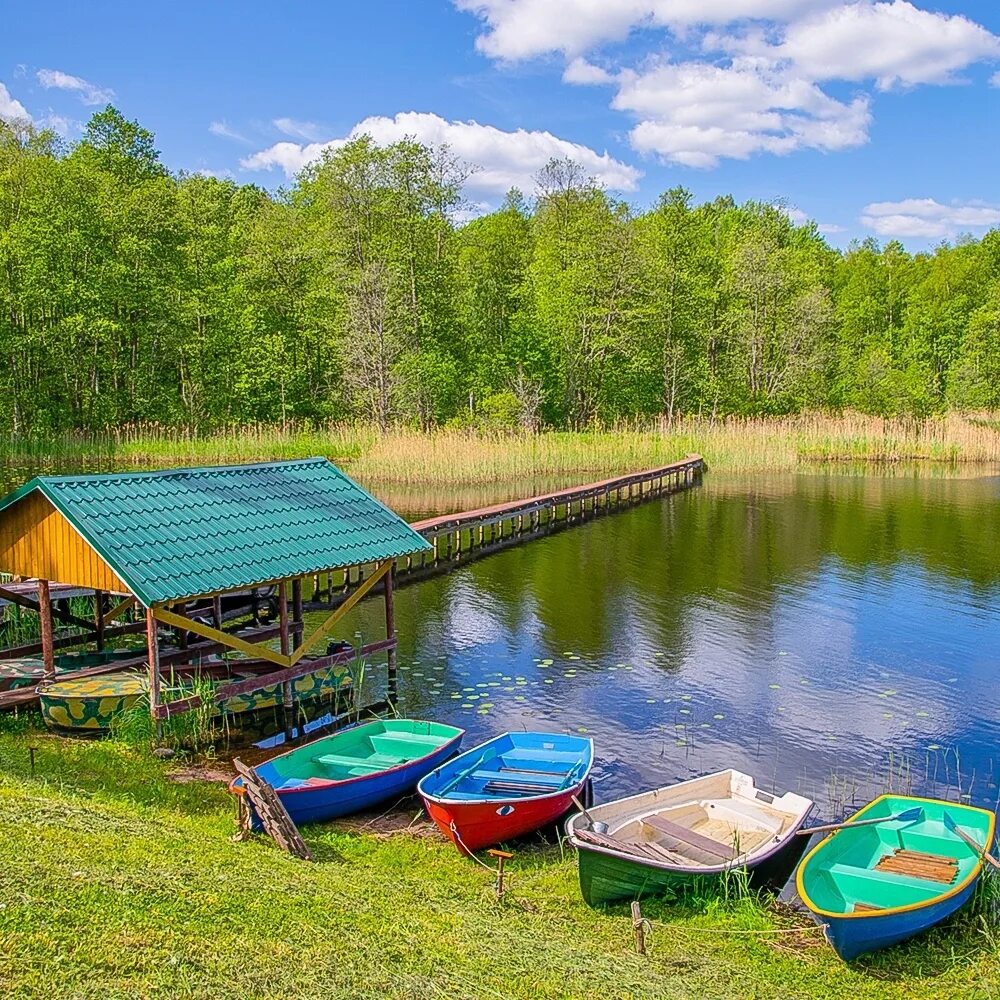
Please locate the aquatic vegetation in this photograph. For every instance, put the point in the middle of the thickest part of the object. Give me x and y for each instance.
(404, 455)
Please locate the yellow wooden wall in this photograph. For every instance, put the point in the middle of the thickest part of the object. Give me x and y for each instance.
(36, 540)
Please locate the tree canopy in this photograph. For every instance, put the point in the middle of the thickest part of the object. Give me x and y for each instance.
(128, 293)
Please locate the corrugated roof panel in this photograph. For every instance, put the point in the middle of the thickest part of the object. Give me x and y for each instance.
(183, 532)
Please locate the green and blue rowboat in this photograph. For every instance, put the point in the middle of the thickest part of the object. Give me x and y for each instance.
(671, 839)
(874, 885)
(355, 769)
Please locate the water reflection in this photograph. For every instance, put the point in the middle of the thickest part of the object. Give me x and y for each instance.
(826, 633)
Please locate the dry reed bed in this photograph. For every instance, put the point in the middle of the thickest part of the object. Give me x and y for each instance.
(447, 456)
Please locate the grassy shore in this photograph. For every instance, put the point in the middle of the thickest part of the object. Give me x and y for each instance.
(446, 456)
(118, 881)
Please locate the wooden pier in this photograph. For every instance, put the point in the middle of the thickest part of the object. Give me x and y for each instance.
(452, 538)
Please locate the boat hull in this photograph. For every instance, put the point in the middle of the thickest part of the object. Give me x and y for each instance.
(853, 937)
(473, 826)
(316, 805)
(608, 878)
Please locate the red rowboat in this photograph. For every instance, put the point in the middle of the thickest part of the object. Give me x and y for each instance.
(506, 787)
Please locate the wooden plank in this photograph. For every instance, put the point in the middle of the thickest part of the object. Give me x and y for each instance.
(45, 615)
(867, 908)
(216, 635)
(272, 813)
(686, 836)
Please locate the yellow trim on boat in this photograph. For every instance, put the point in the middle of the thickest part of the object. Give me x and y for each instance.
(892, 910)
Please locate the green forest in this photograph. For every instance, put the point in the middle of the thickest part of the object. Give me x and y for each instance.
(368, 290)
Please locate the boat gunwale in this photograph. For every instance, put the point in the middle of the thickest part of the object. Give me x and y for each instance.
(236, 786)
(891, 911)
(486, 800)
(743, 861)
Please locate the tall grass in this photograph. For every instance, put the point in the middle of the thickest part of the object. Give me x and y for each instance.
(404, 455)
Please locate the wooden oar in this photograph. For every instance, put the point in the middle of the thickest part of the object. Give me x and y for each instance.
(596, 825)
(950, 824)
(904, 817)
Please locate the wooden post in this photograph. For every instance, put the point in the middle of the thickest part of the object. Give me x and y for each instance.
(45, 616)
(217, 611)
(153, 648)
(390, 633)
(297, 606)
(286, 687)
(639, 926)
(99, 619)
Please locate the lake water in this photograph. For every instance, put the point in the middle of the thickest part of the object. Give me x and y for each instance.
(834, 635)
(831, 634)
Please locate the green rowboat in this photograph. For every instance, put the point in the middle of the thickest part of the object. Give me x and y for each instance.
(667, 840)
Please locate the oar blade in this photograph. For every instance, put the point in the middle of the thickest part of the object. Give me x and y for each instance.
(909, 815)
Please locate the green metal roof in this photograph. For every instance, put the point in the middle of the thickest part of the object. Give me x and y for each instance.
(184, 532)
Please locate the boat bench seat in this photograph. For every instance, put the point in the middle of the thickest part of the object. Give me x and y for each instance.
(676, 832)
(352, 763)
(857, 874)
(405, 744)
(519, 779)
(424, 739)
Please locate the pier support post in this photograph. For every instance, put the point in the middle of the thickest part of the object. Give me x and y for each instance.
(287, 693)
(99, 619)
(390, 633)
(45, 619)
(153, 651)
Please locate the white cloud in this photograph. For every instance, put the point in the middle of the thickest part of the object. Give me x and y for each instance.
(9, 108)
(995, 79)
(582, 72)
(735, 78)
(309, 131)
(60, 124)
(504, 159)
(928, 219)
(225, 131)
(888, 42)
(89, 93)
(523, 29)
(695, 113)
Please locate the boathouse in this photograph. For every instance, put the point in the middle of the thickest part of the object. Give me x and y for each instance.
(161, 541)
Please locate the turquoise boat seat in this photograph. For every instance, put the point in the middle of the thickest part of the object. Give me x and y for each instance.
(853, 882)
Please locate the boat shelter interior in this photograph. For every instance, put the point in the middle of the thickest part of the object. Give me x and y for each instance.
(170, 548)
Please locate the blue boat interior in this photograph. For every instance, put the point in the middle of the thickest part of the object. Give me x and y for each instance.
(896, 863)
(364, 750)
(514, 765)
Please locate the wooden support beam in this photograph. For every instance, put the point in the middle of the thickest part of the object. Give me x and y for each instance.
(45, 616)
(225, 639)
(390, 634)
(301, 669)
(335, 616)
(287, 694)
(99, 619)
(153, 648)
(57, 613)
(117, 611)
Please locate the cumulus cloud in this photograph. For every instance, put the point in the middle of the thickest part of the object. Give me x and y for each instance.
(695, 113)
(735, 78)
(582, 72)
(928, 219)
(9, 108)
(89, 93)
(309, 131)
(892, 43)
(523, 29)
(504, 159)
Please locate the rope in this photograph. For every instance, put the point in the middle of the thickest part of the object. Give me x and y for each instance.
(461, 843)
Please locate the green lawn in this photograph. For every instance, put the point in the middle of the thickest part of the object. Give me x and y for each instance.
(117, 881)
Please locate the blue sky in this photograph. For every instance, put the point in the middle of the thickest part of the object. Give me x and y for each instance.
(874, 117)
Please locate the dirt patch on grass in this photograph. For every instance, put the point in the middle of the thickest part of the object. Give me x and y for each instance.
(202, 772)
(405, 817)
